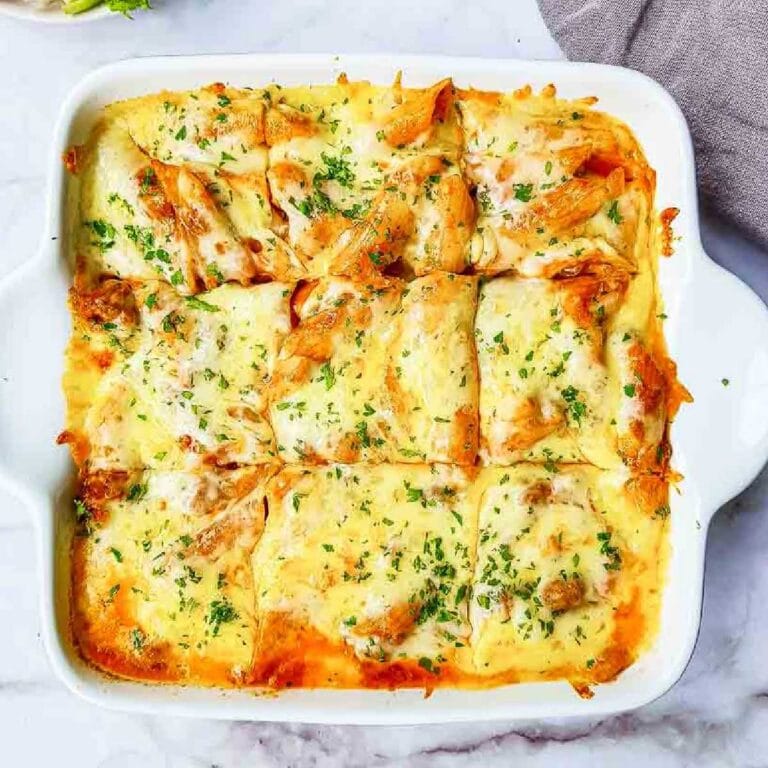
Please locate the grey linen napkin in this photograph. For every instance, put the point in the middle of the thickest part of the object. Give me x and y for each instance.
(712, 55)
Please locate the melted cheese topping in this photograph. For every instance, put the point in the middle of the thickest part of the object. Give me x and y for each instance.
(174, 187)
(312, 452)
(365, 173)
(378, 559)
(572, 374)
(561, 557)
(541, 370)
(187, 385)
(560, 187)
(380, 372)
(164, 585)
(428, 574)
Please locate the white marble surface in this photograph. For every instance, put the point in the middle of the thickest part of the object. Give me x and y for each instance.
(717, 715)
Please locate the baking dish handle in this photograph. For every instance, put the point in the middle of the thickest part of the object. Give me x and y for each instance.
(34, 327)
(723, 360)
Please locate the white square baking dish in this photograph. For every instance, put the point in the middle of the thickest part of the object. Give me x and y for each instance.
(716, 329)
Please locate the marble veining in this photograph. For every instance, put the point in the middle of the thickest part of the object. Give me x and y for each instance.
(717, 715)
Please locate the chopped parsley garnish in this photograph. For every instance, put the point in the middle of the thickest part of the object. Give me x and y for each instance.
(611, 552)
(523, 192)
(557, 370)
(549, 463)
(361, 430)
(484, 198)
(83, 518)
(171, 322)
(81, 511)
(115, 199)
(212, 270)
(192, 574)
(105, 232)
(327, 375)
(499, 339)
(336, 169)
(113, 590)
(575, 408)
(138, 638)
(426, 663)
(613, 213)
(318, 202)
(137, 492)
(221, 612)
(148, 180)
(414, 494)
(197, 303)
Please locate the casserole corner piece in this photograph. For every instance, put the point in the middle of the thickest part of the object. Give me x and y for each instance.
(370, 391)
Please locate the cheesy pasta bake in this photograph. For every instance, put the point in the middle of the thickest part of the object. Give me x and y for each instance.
(367, 388)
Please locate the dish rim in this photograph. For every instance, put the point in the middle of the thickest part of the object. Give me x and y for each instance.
(313, 705)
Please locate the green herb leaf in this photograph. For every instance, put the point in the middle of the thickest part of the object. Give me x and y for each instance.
(137, 492)
(523, 192)
(138, 638)
(327, 375)
(613, 213)
(336, 169)
(197, 303)
(361, 430)
(426, 663)
(221, 612)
